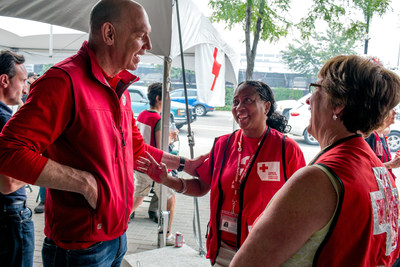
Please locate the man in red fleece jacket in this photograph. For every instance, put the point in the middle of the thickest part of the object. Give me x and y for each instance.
(76, 136)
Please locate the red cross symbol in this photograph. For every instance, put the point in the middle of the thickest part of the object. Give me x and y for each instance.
(385, 209)
(263, 167)
(215, 69)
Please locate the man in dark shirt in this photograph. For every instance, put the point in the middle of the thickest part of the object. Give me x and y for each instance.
(17, 240)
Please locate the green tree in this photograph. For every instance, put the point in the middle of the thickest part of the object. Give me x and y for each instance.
(369, 8)
(335, 12)
(308, 56)
(45, 67)
(265, 20)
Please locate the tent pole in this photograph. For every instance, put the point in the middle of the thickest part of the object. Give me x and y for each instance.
(162, 200)
(51, 41)
(190, 135)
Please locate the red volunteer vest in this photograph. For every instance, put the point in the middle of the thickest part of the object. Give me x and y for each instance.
(98, 140)
(254, 192)
(365, 230)
(150, 119)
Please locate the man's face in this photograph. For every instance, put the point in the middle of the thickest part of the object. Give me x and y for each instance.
(17, 85)
(132, 38)
(32, 79)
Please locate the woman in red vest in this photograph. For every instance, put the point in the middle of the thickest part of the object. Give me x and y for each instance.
(342, 209)
(244, 170)
(378, 143)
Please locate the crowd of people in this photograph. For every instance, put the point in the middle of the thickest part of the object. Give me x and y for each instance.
(267, 208)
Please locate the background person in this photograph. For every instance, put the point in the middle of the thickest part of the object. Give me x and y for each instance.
(342, 209)
(17, 233)
(82, 149)
(31, 78)
(149, 124)
(244, 170)
(378, 143)
(42, 196)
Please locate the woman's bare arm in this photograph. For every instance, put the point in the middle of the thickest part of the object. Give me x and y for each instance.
(304, 205)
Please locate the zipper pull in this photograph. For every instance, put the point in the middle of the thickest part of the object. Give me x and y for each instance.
(122, 136)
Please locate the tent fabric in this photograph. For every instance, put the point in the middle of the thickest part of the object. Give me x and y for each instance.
(197, 30)
(74, 14)
(210, 77)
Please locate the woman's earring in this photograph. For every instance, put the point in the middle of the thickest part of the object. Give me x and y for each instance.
(334, 117)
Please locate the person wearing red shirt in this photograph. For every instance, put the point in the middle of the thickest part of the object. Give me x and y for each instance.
(343, 208)
(149, 124)
(77, 137)
(378, 143)
(244, 170)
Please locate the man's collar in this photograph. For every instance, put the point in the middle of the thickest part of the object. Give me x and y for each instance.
(125, 76)
(4, 106)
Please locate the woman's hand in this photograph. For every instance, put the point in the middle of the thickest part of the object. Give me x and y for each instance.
(149, 166)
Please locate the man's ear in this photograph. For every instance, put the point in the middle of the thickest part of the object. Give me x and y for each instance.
(108, 33)
(4, 81)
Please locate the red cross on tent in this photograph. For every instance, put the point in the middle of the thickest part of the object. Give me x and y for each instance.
(215, 69)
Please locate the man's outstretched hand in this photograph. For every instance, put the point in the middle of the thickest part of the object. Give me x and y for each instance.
(148, 165)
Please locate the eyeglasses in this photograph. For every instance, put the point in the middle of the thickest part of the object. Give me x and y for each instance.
(313, 86)
(247, 101)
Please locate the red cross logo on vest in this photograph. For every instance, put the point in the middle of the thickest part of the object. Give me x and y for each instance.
(269, 171)
(385, 207)
(263, 167)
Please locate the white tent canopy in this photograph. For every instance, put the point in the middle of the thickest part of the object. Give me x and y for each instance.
(74, 14)
(200, 42)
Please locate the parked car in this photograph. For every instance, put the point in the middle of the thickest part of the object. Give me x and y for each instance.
(139, 102)
(394, 136)
(299, 118)
(283, 107)
(178, 95)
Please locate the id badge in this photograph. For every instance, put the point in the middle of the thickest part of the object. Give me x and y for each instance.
(229, 222)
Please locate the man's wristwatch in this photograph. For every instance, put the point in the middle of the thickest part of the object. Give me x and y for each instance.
(181, 164)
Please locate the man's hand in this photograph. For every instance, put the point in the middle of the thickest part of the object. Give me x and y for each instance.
(157, 172)
(173, 136)
(192, 164)
(62, 177)
(9, 185)
(91, 193)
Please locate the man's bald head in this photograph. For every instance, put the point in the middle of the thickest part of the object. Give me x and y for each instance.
(109, 11)
(119, 34)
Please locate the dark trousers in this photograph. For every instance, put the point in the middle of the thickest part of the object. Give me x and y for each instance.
(17, 236)
(42, 194)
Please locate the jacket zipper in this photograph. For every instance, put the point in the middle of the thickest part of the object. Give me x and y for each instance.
(125, 174)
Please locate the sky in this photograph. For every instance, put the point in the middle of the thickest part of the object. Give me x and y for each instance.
(384, 32)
